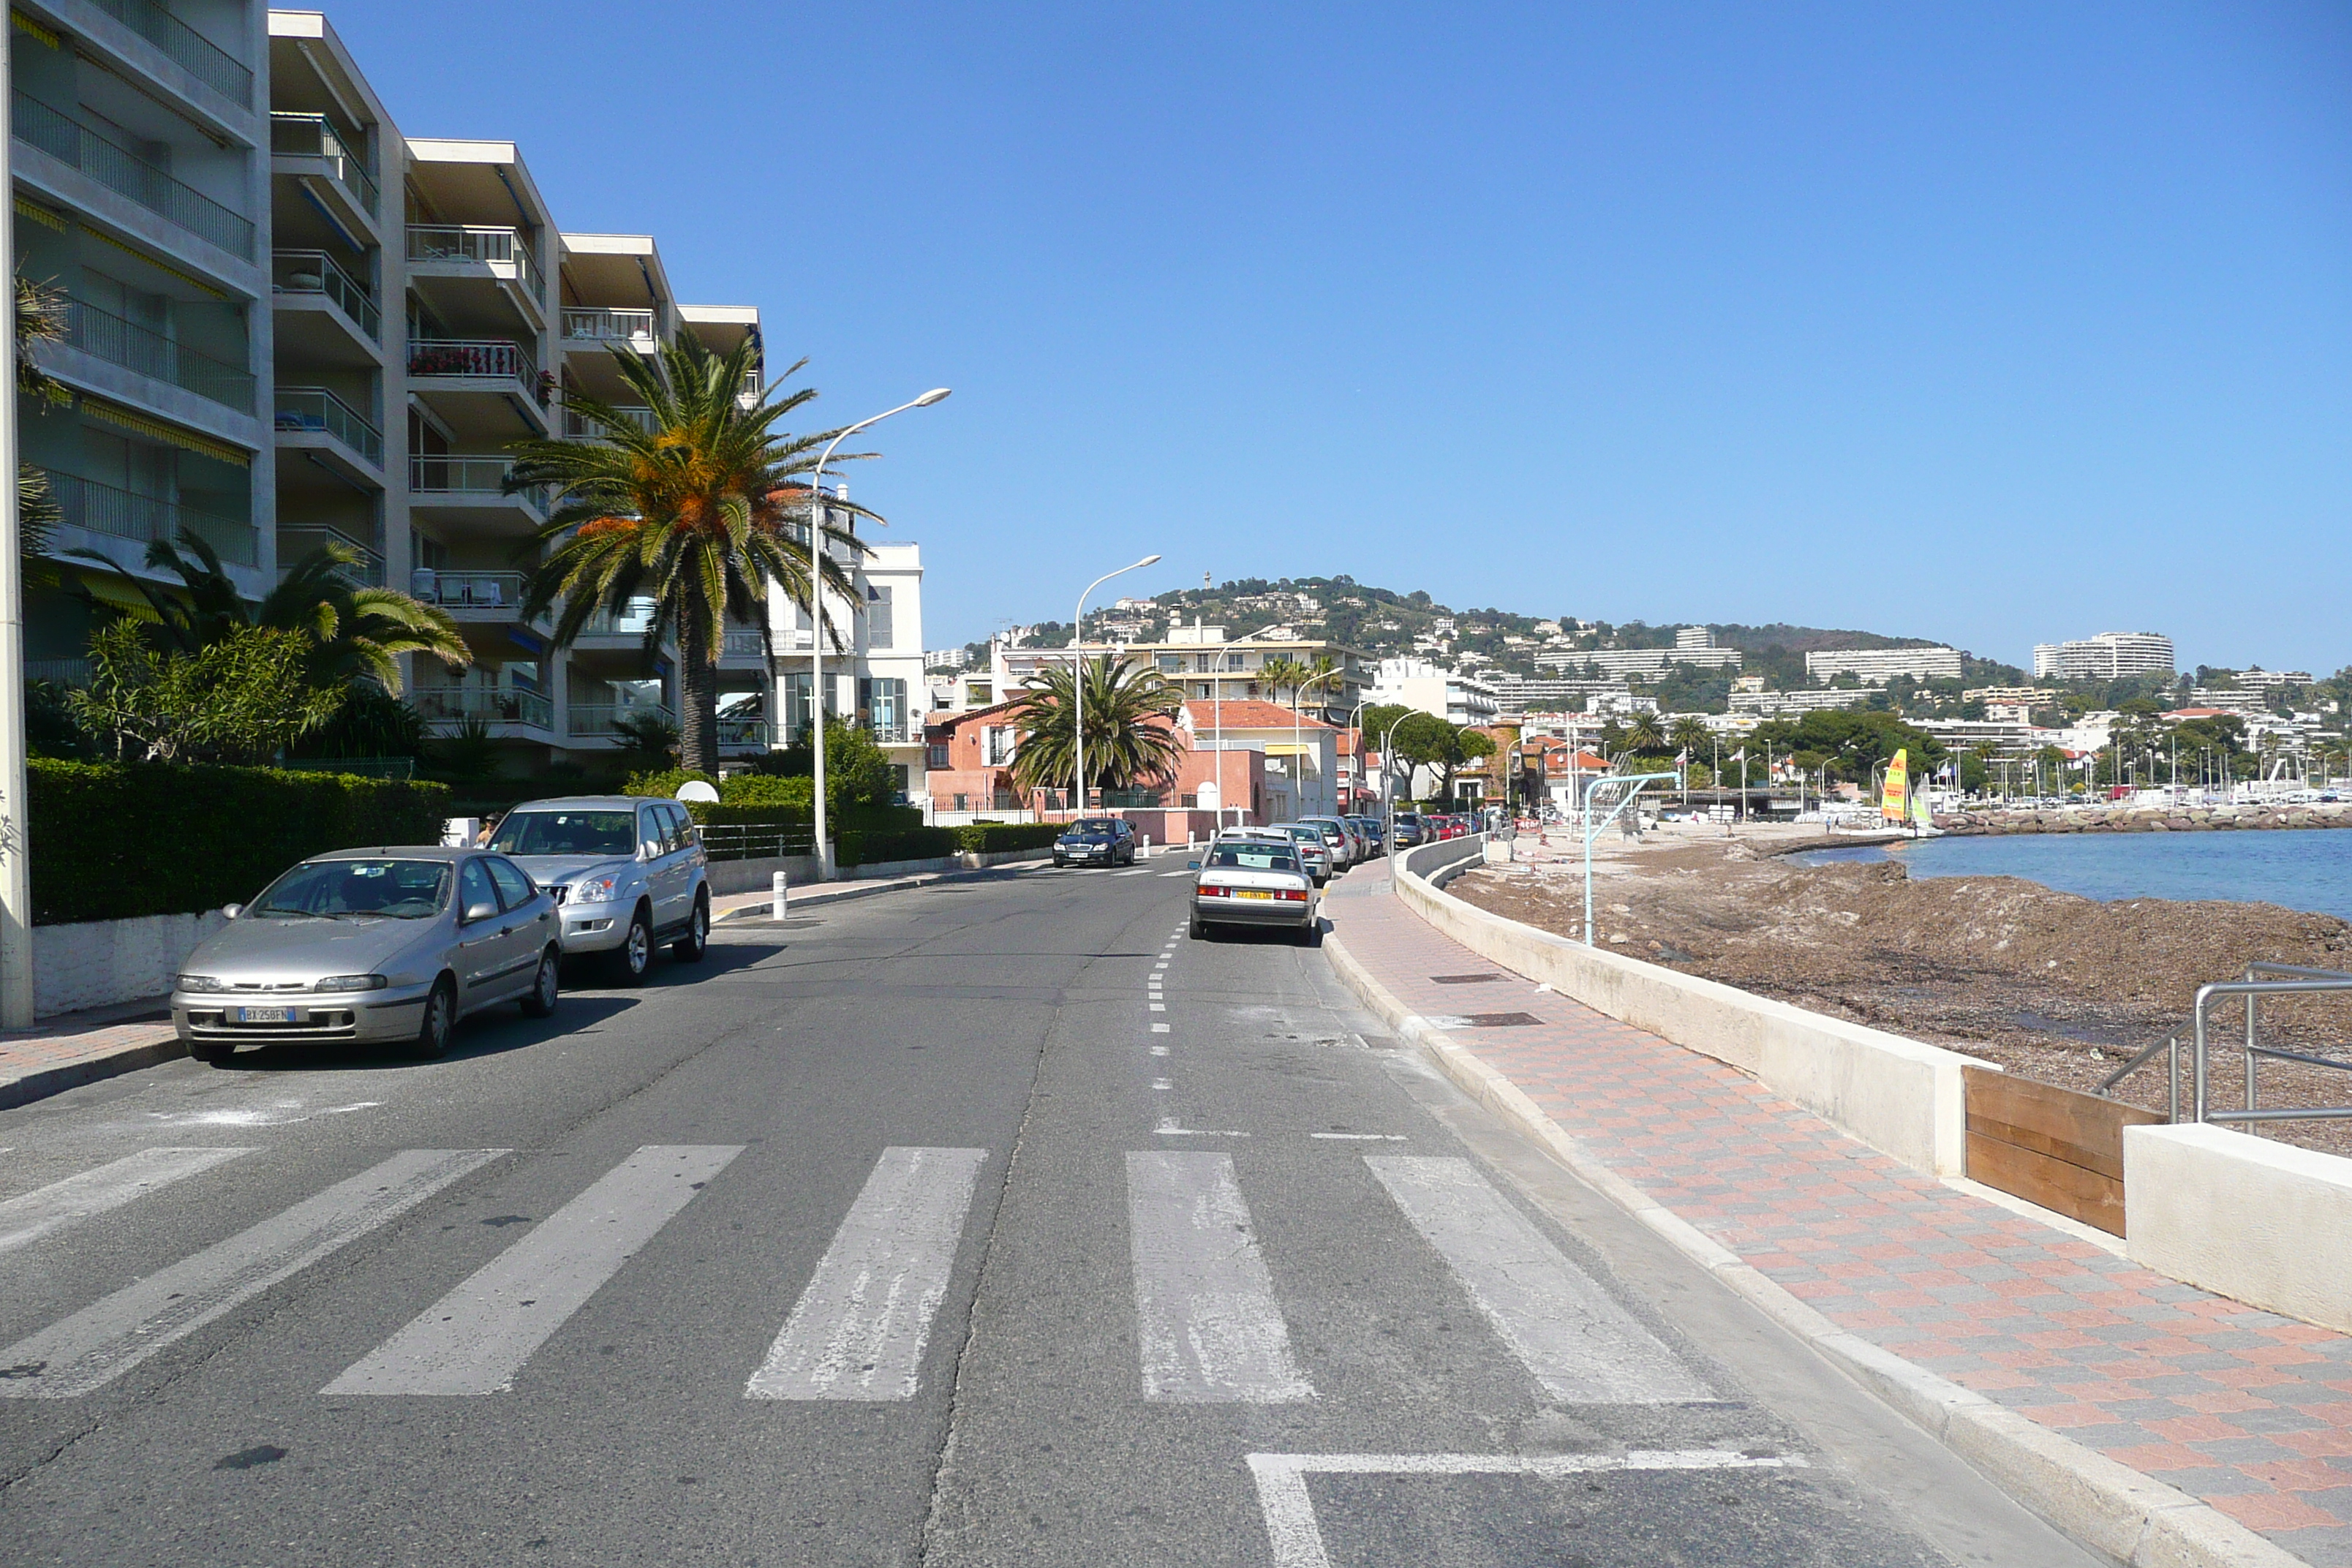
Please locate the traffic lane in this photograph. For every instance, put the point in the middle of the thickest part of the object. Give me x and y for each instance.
(653, 1365)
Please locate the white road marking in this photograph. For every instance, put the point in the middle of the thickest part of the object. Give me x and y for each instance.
(475, 1339)
(858, 1329)
(1162, 1083)
(1571, 1334)
(1138, 871)
(1297, 1540)
(1167, 1128)
(24, 1220)
(1176, 873)
(1160, 1050)
(110, 1337)
(1361, 1137)
(1207, 1328)
(1158, 1029)
(1158, 1007)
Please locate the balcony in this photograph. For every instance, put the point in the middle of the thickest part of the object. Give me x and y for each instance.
(124, 172)
(293, 543)
(314, 136)
(301, 272)
(742, 734)
(184, 46)
(632, 623)
(306, 411)
(474, 489)
(635, 327)
(741, 643)
(478, 276)
(594, 721)
(580, 427)
(497, 590)
(455, 704)
(104, 335)
(103, 509)
(66, 672)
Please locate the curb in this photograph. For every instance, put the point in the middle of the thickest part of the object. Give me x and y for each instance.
(2100, 1504)
(34, 1086)
(841, 892)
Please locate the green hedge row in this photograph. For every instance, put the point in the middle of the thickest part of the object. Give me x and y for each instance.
(877, 846)
(115, 840)
(996, 837)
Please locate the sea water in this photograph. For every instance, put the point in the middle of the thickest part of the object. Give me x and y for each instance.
(2307, 868)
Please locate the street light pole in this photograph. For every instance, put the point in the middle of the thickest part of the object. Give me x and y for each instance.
(816, 618)
(1298, 734)
(16, 819)
(1078, 683)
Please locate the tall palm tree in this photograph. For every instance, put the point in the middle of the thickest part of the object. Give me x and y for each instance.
(1283, 673)
(1690, 734)
(1643, 733)
(359, 632)
(703, 512)
(40, 320)
(1124, 746)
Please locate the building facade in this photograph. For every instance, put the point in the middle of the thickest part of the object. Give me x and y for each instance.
(1878, 666)
(1442, 693)
(2109, 656)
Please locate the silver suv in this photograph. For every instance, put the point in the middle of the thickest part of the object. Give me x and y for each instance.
(626, 873)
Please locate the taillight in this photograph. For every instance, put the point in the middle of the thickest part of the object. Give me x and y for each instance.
(1289, 895)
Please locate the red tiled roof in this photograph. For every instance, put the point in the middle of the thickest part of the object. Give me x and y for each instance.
(1249, 715)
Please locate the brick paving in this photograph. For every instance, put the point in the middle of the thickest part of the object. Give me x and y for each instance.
(2249, 1411)
(53, 1058)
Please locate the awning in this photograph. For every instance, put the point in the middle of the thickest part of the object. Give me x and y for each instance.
(122, 596)
(187, 440)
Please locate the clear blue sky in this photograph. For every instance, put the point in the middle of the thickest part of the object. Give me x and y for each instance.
(1990, 323)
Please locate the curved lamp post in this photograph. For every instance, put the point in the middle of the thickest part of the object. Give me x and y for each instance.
(1298, 736)
(816, 616)
(1078, 681)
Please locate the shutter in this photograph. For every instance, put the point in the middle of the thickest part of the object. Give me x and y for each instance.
(879, 629)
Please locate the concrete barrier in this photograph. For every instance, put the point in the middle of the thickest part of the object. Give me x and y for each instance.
(2264, 1222)
(757, 876)
(1902, 1098)
(97, 964)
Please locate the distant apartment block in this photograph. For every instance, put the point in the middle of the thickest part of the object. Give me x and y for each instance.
(1878, 666)
(1776, 702)
(1693, 637)
(2031, 695)
(1446, 694)
(2110, 656)
(1526, 694)
(2272, 679)
(1624, 661)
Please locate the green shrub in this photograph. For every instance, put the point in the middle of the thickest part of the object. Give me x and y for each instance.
(115, 840)
(877, 846)
(767, 789)
(663, 784)
(996, 837)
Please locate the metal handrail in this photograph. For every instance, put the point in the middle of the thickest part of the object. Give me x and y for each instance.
(349, 294)
(497, 358)
(315, 408)
(459, 473)
(608, 325)
(118, 340)
(2300, 981)
(315, 136)
(109, 509)
(473, 242)
(124, 172)
(184, 46)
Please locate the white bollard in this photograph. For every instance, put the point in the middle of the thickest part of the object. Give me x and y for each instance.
(776, 892)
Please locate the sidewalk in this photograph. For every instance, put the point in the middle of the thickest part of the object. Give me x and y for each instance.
(2244, 1410)
(69, 1051)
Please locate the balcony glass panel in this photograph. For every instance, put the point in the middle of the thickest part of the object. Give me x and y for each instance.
(471, 590)
(103, 509)
(742, 734)
(121, 170)
(633, 621)
(294, 544)
(741, 643)
(315, 272)
(618, 326)
(455, 703)
(496, 358)
(592, 718)
(581, 428)
(455, 474)
(104, 335)
(315, 408)
(470, 242)
(184, 46)
(314, 136)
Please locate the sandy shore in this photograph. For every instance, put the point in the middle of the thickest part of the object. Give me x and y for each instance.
(2047, 984)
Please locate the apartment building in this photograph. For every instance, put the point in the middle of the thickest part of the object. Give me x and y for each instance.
(1878, 666)
(1199, 660)
(2109, 656)
(1624, 661)
(291, 325)
(1443, 693)
(1775, 702)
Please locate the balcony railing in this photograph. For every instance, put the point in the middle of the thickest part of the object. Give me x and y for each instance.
(315, 272)
(104, 509)
(471, 242)
(471, 590)
(581, 428)
(315, 408)
(314, 136)
(609, 326)
(476, 358)
(437, 474)
(451, 703)
(596, 718)
(121, 170)
(741, 643)
(105, 335)
(741, 734)
(630, 623)
(294, 544)
(59, 671)
(184, 46)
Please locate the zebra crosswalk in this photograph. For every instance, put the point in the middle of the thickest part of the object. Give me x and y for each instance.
(1209, 1322)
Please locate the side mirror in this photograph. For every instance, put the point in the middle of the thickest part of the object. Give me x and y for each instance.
(483, 911)
(232, 910)
(1191, 865)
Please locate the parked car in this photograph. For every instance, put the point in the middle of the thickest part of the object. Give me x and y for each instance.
(626, 872)
(1412, 830)
(1368, 829)
(1338, 837)
(1253, 879)
(1095, 841)
(374, 945)
(1312, 851)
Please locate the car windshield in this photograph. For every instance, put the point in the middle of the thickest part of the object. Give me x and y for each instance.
(402, 890)
(1252, 858)
(567, 833)
(1095, 825)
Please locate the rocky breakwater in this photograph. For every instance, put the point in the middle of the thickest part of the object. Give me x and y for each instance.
(2147, 818)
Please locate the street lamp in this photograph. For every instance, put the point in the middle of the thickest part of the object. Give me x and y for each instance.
(816, 615)
(1078, 683)
(1298, 739)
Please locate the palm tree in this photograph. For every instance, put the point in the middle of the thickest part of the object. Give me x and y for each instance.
(1643, 734)
(40, 319)
(1690, 734)
(1124, 746)
(1282, 672)
(697, 512)
(358, 632)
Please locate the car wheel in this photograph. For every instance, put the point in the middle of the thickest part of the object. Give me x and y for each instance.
(1312, 936)
(690, 948)
(211, 1053)
(440, 1020)
(540, 1002)
(1199, 929)
(636, 955)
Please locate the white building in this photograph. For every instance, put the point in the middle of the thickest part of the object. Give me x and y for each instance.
(2269, 680)
(2110, 656)
(1446, 694)
(1624, 661)
(1775, 702)
(1878, 666)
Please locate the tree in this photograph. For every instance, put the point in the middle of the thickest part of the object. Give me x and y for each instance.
(243, 698)
(40, 320)
(1691, 736)
(1130, 737)
(1284, 674)
(696, 512)
(1645, 733)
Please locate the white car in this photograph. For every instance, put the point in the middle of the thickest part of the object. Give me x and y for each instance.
(626, 872)
(1254, 879)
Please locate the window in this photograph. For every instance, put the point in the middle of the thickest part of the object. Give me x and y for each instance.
(1169, 663)
(880, 632)
(474, 887)
(514, 889)
(650, 828)
(935, 757)
(996, 745)
(565, 833)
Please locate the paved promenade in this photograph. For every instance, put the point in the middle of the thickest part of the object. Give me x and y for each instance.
(2245, 1410)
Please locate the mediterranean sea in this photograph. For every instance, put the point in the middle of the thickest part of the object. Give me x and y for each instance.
(2308, 868)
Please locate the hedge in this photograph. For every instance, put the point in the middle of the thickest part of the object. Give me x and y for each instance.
(995, 837)
(117, 840)
(877, 846)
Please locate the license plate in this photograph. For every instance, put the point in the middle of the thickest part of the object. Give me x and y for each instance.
(265, 1015)
(1251, 893)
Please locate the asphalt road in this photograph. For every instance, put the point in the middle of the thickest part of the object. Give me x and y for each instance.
(993, 1222)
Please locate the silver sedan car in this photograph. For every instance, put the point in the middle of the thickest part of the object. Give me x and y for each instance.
(378, 944)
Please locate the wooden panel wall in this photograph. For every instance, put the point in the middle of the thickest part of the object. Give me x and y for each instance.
(2057, 1147)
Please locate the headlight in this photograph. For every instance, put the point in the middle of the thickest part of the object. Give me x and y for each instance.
(197, 982)
(597, 889)
(351, 982)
